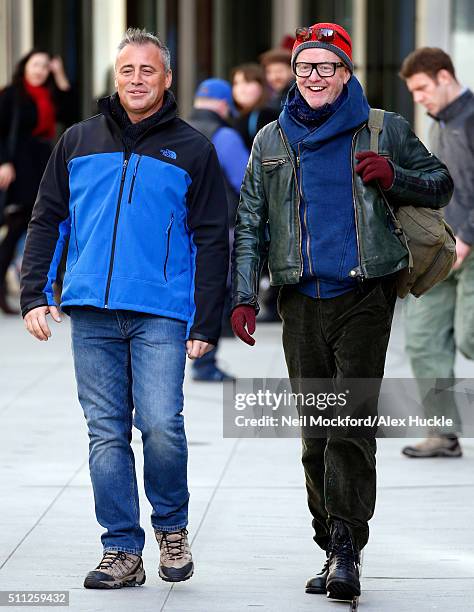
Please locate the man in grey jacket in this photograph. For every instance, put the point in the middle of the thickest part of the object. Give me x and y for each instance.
(442, 321)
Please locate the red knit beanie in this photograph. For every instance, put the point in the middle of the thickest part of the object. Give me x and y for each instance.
(328, 36)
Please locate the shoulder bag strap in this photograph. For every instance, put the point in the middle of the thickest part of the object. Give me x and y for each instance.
(375, 125)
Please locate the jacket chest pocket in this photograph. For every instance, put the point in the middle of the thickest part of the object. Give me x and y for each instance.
(271, 164)
(134, 178)
(277, 179)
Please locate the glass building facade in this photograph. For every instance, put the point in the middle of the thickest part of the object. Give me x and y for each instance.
(209, 37)
(463, 40)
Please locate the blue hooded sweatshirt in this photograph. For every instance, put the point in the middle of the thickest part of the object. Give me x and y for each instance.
(329, 241)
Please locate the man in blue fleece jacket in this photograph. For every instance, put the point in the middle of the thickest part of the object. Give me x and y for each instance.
(139, 195)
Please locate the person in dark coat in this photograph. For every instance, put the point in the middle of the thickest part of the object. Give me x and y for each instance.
(38, 97)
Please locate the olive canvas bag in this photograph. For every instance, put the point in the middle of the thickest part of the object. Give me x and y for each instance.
(429, 240)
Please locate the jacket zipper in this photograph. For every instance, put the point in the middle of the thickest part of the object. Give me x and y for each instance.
(114, 237)
(133, 179)
(305, 215)
(354, 203)
(290, 155)
(168, 237)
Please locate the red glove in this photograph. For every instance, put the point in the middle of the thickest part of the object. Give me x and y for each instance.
(242, 316)
(373, 167)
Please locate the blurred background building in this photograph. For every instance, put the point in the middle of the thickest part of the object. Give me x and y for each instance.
(208, 37)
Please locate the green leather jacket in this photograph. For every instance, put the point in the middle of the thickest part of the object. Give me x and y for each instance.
(268, 221)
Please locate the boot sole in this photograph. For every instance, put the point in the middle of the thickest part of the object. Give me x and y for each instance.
(440, 453)
(343, 591)
(315, 591)
(167, 579)
(132, 581)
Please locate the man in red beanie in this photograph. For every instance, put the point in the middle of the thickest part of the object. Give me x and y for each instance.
(314, 188)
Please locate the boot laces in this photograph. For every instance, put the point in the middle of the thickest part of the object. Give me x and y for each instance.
(342, 547)
(174, 549)
(110, 558)
(346, 557)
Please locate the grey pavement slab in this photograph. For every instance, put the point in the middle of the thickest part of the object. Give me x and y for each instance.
(250, 528)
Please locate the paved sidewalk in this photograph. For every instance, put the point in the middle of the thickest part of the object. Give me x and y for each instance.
(249, 522)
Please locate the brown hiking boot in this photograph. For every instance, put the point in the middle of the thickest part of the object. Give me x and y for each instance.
(176, 560)
(437, 446)
(116, 570)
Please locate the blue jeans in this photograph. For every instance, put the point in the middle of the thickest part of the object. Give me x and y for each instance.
(124, 362)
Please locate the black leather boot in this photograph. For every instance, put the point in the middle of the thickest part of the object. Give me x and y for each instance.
(317, 585)
(343, 573)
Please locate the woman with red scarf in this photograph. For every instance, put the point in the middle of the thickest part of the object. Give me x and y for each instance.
(38, 96)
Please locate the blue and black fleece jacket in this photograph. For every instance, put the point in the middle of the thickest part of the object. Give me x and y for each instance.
(146, 227)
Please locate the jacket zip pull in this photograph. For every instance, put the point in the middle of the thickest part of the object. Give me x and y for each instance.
(124, 169)
(269, 162)
(168, 237)
(133, 179)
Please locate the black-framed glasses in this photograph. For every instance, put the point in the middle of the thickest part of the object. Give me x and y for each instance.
(324, 69)
(326, 35)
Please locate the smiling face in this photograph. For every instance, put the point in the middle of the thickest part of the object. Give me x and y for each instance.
(141, 80)
(317, 90)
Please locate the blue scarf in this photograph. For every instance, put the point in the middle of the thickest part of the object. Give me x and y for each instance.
(322, 139)
(313, 117)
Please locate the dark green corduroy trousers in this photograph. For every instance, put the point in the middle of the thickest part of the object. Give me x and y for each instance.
(342, 337)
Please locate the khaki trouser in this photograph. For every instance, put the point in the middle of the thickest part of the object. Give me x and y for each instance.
(436, 325)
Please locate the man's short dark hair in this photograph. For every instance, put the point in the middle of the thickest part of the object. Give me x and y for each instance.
(429, 60)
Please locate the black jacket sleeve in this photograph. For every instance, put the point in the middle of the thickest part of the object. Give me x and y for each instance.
(420, 179)
(65, 102)
(208, 224)
(6, 125)
(47, 232)
(250, 246)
